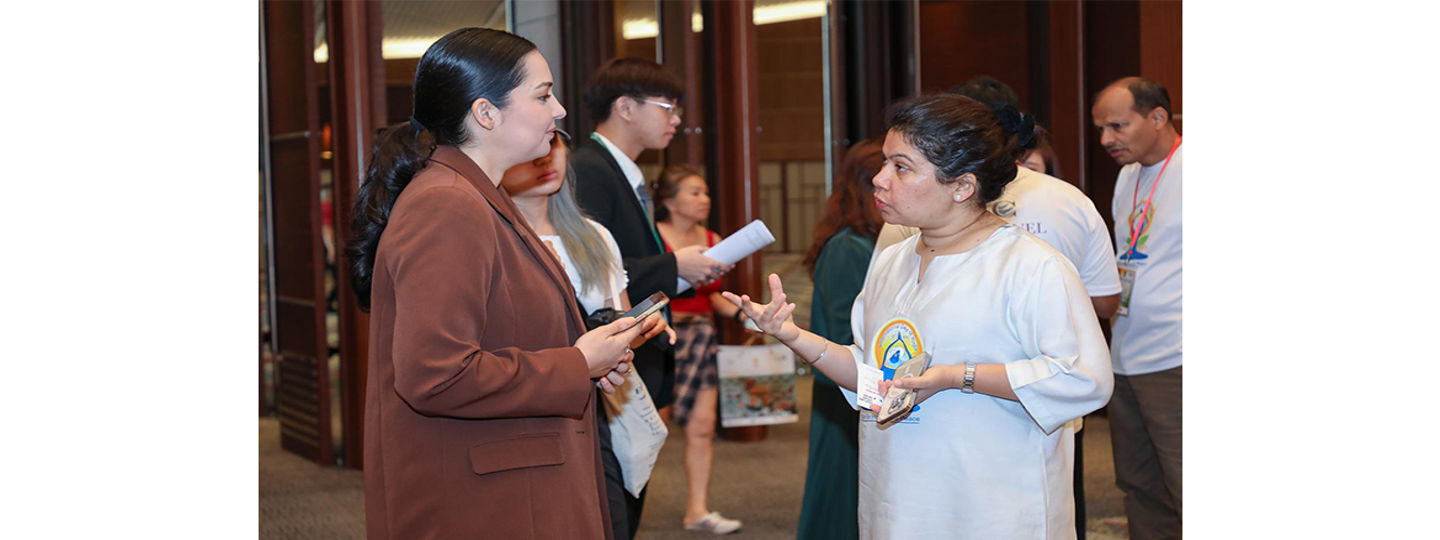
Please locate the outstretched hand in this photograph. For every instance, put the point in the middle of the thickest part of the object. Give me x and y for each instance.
(773, 318)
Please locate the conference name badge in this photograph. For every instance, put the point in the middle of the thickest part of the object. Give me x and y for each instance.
(1128, 270)
(896, 343)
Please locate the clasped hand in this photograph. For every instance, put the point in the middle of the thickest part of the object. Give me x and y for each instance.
(935, 379)
(609, 349)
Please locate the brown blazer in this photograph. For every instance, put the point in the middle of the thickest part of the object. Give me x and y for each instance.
(479, 414)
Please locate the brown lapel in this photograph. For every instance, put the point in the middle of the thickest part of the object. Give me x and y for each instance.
(456, 160)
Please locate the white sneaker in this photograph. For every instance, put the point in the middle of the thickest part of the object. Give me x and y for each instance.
(715, 523)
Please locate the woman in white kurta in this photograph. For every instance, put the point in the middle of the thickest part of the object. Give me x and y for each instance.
(991, 458)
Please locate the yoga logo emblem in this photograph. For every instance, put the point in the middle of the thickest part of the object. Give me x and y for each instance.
(896, 343)
(1139, 226)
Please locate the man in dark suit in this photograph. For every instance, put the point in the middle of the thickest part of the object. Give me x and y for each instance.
(635, 103)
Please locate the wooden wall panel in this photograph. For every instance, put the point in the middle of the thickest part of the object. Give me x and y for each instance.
(1161, 47)
(961, 40)
(1112, 50)
(791, 77)
(1068, 117)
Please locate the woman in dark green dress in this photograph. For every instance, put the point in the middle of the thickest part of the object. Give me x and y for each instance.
(844, 241)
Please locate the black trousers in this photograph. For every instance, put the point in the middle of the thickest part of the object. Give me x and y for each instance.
(624, 508)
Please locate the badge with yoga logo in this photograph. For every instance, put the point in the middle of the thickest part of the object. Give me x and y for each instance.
(895, 344)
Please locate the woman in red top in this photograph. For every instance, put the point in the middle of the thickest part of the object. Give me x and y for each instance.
(680, 216)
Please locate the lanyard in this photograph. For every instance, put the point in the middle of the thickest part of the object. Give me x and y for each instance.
(1137, 225)
(649, 220)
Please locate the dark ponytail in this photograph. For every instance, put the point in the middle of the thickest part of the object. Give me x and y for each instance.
(400, 153)
(459, 68)
(961, 135)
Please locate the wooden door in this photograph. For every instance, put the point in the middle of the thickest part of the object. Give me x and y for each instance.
(302, 385)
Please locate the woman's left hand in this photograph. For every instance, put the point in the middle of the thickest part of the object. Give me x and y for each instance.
(615, 379)
(935, 379)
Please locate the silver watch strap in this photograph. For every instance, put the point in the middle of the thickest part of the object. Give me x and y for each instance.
(969, 386)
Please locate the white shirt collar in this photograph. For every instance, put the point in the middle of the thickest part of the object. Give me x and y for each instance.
(627, 165)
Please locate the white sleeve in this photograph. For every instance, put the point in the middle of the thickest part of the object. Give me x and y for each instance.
(1068, 372)
(1097, 265)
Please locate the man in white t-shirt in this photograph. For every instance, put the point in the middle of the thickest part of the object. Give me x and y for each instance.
(1133, 116)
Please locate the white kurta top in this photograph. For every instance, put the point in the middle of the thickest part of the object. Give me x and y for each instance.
(973, 465)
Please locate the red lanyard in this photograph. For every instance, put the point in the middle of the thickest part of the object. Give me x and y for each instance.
(1145, 210)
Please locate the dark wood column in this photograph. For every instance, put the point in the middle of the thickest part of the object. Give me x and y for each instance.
(1112, 40)
(880, 56)
(732, 153)
(302, 385)
(357, 86)
(732, 159)
(588, 39)
(839, 136)
(1068, 114)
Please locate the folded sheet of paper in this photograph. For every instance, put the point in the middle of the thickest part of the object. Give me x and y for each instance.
(747, 240)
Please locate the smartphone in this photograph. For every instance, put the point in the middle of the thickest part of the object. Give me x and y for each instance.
(654, 303)
(899, 401)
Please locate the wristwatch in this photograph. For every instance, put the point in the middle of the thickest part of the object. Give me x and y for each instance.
(969, 386)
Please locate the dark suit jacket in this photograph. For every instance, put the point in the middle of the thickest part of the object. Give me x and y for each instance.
(480, 416)
(606, 196)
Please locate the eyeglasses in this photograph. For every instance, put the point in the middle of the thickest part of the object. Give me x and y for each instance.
(676, 110)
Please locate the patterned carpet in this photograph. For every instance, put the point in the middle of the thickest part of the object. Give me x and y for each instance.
(301, 500)
(760, 483)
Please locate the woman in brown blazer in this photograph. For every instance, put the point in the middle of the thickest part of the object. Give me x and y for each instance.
(479, 409)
